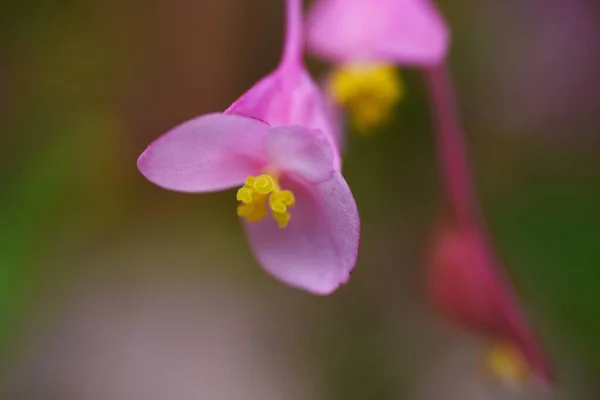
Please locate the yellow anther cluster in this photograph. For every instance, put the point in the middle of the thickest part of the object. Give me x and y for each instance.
(506, 362)
(369, 92)
(254, 194)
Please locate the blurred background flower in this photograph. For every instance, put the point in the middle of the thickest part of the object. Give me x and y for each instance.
(113, 288)
(365, 40)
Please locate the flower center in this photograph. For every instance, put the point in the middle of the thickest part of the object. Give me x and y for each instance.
(506, 362)
(368, 91)
(254, 195)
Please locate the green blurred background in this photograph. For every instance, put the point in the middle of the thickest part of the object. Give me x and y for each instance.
(111, 288)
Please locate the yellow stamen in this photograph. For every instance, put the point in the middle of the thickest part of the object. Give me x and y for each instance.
(504, 361)
(282, 218)
(244, 195)
(264, 184)
(254, 194)
(254, 211)
(368, 91)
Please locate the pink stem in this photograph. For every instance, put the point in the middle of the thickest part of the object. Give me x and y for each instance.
(451, 148)
(292, 53)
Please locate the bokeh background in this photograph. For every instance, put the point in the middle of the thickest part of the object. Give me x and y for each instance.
(111, 288)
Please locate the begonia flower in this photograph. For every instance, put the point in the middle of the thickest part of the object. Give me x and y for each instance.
(466, 282)
(311, 242)
(274, 143)
(366, 40)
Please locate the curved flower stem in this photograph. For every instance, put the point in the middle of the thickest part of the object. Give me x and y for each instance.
(464, 205)
(292, 53)
(451, 148)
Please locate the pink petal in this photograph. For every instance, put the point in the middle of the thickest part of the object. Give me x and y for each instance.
(410, 32)
(288, 96)
(469, 288)
(318, 249)
(208, 153)
(297, 150)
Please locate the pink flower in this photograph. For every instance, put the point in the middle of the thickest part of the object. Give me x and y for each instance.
(289, 96)
(467, 284)
(366, 40)
(287, 170)
(407, 32)
(277, 143)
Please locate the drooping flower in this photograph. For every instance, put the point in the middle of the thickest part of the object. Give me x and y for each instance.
(466, 282)
(277, 145)
(288, 95)
(366, 40)
(311, 241)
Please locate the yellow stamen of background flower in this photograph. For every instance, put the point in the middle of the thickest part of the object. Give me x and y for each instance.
(369, 92)
(504, 361)
(254, 195)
